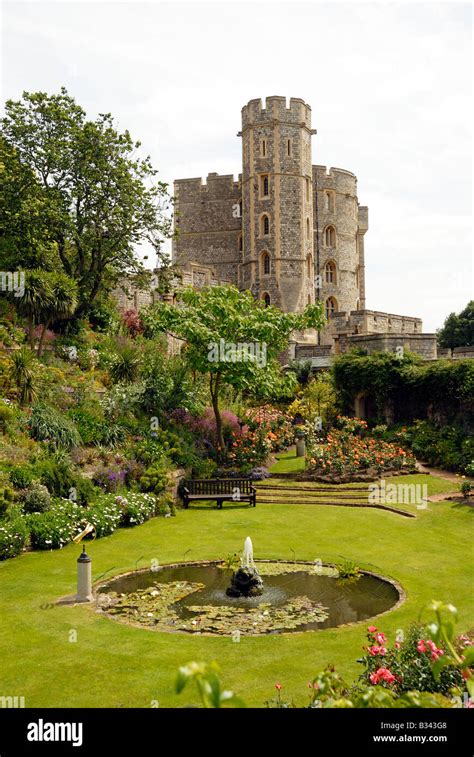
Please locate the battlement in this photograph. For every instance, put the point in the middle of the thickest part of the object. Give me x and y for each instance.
(338, 179)
(276, 110)
(216, 186)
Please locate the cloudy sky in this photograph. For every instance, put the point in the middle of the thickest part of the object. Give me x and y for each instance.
(389, 86)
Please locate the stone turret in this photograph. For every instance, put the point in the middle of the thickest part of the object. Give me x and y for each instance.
(277, 209)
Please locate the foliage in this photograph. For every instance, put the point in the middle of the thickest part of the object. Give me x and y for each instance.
(348, 570)
(131, 321)
(125, 366)
(449, 447)
(105, 514)
(424, 659)
(466, 488)
(137, 508)
(155, 477)
(439, 389)
(48, 424)
(217, 316)
(13, 536)
(36, 499)
(316, 402)
(208, 685)
(250, 449)
(55, 527)
(458, 329)
(97, 199)
(94, 430)
(347, 455)
(23, 366)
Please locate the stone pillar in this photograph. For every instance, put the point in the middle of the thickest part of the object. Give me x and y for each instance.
(84, 578)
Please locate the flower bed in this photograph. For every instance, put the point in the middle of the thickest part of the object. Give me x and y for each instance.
(346, 457)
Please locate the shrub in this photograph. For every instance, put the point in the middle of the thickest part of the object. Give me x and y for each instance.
(155, 478)
(21, 476)
(55, 527)
(346, 455)
(259, 473)
(56, 474)
(47, 424)
(250, 449)
(105, 514)
(97, 431)
(13, 536)
(36, 499)
(125, 365)
(6, 498)
(409, 663)
(6, 414)
(137, 508)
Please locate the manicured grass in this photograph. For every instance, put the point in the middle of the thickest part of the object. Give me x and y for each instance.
(113, 665)
(288, 462)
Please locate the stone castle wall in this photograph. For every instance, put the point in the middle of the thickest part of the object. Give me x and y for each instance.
(208, 225)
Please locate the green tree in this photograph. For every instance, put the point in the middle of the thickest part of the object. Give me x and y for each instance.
(23, 363)
(458, 329)
(101, 199)
(26, 238)
(233, 338)
(60, 305)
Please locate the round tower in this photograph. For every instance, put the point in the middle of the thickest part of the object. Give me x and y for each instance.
(340, 225)
(277, 203)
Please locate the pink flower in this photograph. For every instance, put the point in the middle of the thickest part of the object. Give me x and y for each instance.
(375, 650)
(421, 646)
(372, 629)
(380, 638)
(397, 645)
(278, 686)
(382, 674)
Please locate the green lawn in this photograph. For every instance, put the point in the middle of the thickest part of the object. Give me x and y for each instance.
(288, 462)
(112, 665)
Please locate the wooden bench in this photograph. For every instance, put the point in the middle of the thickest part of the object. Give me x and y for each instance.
(220, 489)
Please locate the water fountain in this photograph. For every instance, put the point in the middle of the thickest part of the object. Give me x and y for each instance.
(246, 580)
(196, 597)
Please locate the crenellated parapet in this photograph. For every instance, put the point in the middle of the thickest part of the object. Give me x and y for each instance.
(276, 111)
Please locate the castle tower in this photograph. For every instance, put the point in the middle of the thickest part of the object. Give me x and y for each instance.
(340, 225)
(277, 259)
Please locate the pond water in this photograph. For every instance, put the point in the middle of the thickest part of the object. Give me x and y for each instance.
(339, 602)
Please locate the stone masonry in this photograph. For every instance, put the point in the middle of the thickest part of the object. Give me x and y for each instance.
(289, 231)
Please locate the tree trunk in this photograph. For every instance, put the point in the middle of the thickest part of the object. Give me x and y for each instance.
(31, 328)
(214, 388)
(41, 341)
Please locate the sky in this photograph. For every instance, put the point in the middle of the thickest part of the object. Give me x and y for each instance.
(390, 86)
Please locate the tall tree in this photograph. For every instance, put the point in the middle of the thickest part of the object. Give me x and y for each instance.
(233, 338)
(102, 199)
(458, 329)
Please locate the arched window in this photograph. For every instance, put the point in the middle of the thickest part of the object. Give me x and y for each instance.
(329, 201)
(263, 146)
(288, 147)
(240, 208)
(308, 229)
(308, 189)
(309, 299)
(265, 263)
(265, 225)
(330, 272)
(331, 307)
(241, 243)
(264, 186)
(309, 265)
(330, 236)
(266, 299)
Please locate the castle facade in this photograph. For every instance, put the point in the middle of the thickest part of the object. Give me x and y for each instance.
(290, 232)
